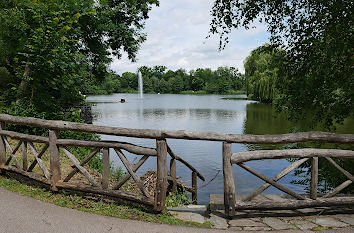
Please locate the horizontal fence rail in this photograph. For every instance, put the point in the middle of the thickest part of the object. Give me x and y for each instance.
(45, 164)
(181, 134)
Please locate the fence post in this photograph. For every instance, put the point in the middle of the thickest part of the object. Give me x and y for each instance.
(2, 147)
(314, 178)
(229, 185)
(105, 168)
(173, 174)
(54, 159)
(195, 188)
(24, 156)
(161, 184)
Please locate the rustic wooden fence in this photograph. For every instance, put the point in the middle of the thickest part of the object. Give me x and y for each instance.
(53, 176)
(295, 200)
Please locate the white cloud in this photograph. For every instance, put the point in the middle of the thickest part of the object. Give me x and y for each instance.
(176, 34)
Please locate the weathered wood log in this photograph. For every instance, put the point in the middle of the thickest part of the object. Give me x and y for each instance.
(2, 147)
(84, 188)
(161, 184)
(295, 204)
(31, 175)
(71, 142)
(24, 137)
(290, 153)
(339, 168)
(139, 150)
(34, 163)
(173, 155)
(24, 156)
(82, 163)
(126, 177)
(181, 134)
(195, 188)
(173, 174)
(54, 158)
(81, 168)
(39, 160)
(130, 169)
(105, 168)
(338, 189)
(181, 184)
(112, 193)
(314, 178)
(270, 181)
(229, 183)
(275, 178)
(13, 152)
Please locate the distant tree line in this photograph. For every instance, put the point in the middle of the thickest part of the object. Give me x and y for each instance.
(157, 79)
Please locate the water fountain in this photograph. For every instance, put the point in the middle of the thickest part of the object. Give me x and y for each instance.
(140, 81)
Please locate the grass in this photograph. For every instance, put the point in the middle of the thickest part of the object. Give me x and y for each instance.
(100, 207)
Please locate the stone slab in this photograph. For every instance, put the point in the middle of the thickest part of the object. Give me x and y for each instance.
(329, 222)
(235, 229)
(216, 202)
(257, 229)
(245, 223)
(187, 216)
(277, 224)
(303, 225)
(347, 219)
(218, 222)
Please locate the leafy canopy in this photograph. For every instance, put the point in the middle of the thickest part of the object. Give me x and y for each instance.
(51, 46)
(318, 39)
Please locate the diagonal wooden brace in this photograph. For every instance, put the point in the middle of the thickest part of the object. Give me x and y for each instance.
(130, 169)
(272, 182)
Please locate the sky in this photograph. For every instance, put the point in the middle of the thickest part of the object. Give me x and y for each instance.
(176, 38)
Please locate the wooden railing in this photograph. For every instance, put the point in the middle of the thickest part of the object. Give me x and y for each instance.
(54, 178)
(296, 200)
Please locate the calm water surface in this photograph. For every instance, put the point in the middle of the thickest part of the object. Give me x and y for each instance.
(199, 113)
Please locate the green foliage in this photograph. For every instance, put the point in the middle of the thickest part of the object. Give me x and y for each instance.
(110, 84)
(5, 78)
(224, 80)
(117, 173)
(178, 199)
(261, 73)
(318, 39)
(52, 49)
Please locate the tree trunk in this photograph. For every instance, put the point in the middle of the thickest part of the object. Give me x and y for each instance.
(23, 84)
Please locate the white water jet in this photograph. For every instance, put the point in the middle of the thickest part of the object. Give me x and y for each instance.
(140, 81)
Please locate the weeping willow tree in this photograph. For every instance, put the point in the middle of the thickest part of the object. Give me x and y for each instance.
(262, 68)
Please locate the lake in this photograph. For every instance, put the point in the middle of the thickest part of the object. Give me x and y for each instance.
(200, 113)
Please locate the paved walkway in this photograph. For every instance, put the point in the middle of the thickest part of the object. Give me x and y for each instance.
(22, 214)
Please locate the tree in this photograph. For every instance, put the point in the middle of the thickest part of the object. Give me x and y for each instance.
(317, 37)
(50, 47)
(261, 72)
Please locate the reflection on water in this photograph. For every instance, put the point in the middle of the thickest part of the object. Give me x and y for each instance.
(198, 113)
